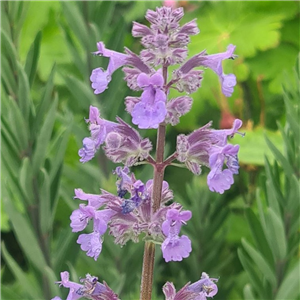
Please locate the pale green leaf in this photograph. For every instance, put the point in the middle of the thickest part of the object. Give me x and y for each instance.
(260, 262)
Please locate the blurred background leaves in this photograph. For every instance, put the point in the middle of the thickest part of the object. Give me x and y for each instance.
(248, 237)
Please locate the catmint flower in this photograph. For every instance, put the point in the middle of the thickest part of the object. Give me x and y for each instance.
(91, 243)
(90, 288)
(200, 290)
(151, 110)
(126, 145)
(174, 247)
(213, 62)
(176, 108)
(101, 78)
(209, 147)
(99, 128)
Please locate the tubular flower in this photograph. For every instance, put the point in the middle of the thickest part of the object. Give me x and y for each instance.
(90, 288)
(209, 147)
(200, 290)
(151, 110)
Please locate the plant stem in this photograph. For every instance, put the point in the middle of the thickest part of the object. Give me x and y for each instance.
(158, 177)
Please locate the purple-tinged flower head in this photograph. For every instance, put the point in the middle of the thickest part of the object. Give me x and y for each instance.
(100, 78)
(175, 248)
(200, 290)
(206, 146)
(165, 41)
(176, 108)
(90, 288)
(151, 110)
(213, 62)
(126, 145)
(99, 128)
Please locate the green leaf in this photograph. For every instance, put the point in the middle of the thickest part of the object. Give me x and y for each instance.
(248, 293)
(44, 103)
(260, 262)
(277, 234)
(25, 234)
(248, 266)
(76, 21)
(259, 236)
(32, 58)
(279, 157)
(43, 138)
(45, 213)
(8, 49)
(24, 98)
(18, 124)
(253, 146)
(289, 289)
(26, 284)
(81, 92)
(8, 76)
(26, 180)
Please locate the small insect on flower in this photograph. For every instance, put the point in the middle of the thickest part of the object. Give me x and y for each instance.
(207, 289)
(90, 283)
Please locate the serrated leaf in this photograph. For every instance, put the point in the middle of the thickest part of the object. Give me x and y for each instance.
(45, 213)
(277, 234)
(25, 235)
(260, 262)
(32, 58)
(43, 138)
(259, 236)
(289, 289)
(20, 275)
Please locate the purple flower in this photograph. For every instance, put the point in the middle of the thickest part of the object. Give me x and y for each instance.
(80, 217)
(91, 243)
(205, 286)
(91, 288)
(126, 145)
(95, 201)
(100, 78)
(151, 110)
(176, 108)
(209, 147)
(220, 180)
(200, 290)
(99, 129)
(174, 247)
(213, 62)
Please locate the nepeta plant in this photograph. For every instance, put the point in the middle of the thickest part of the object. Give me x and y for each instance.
(140, 208)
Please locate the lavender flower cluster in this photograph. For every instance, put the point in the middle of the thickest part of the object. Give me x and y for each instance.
(130, 212)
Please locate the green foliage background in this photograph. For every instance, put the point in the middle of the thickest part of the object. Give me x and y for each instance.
(248, 237)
